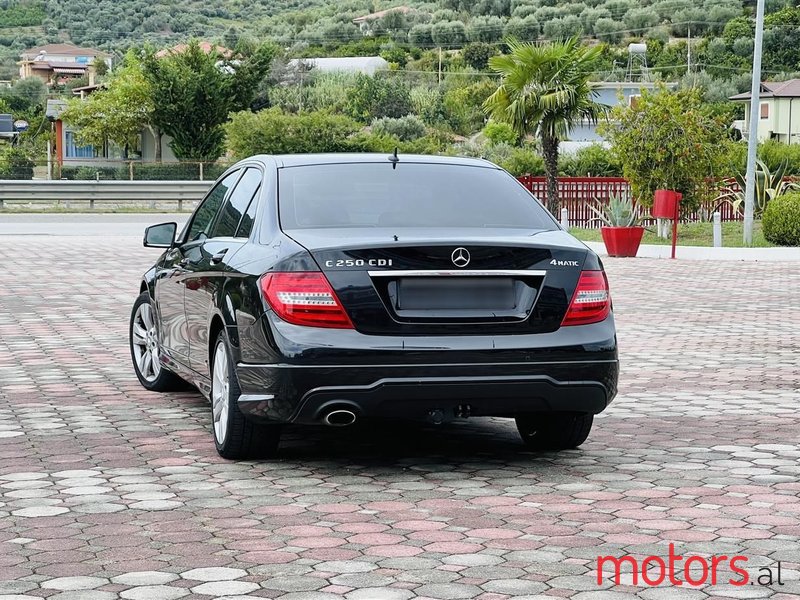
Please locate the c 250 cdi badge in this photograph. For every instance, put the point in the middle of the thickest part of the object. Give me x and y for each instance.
(324, 289)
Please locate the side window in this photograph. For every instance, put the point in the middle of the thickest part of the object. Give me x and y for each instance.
(246, 224)
(236, 204)
(204, 217)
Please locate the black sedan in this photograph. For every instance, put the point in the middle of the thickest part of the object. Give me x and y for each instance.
(325, 289)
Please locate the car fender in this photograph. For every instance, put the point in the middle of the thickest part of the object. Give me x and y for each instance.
(149, 282)
(223, 308)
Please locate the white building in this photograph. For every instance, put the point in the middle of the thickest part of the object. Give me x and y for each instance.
(368, 65)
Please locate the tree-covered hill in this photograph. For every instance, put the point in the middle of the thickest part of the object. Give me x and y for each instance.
(114, 25)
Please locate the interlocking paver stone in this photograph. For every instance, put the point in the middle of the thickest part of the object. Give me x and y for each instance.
(225, 588)
(154, 592)
(74, 583)
(108, 491)
(144, 578)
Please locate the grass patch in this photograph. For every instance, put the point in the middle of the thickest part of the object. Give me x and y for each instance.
(690, 234)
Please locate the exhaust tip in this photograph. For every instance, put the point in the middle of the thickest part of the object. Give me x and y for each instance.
(340, 418)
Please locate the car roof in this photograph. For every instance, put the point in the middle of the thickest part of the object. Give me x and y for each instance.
(297, 160)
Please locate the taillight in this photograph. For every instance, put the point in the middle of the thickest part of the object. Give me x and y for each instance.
(591, 302)
(304, 299)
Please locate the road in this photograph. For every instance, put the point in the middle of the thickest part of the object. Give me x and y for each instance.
(83, 224)
(110, 491)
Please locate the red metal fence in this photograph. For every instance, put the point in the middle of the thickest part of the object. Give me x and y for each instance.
(576, 193)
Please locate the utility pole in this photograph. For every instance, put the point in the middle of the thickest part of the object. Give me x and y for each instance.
(752, 139)
(689, 50)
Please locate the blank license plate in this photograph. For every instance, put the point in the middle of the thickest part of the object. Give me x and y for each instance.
(456, 293)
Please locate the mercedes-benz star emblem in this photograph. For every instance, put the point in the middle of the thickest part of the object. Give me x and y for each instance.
(460, 257)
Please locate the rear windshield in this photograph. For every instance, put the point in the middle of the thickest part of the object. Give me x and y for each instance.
(411, 195)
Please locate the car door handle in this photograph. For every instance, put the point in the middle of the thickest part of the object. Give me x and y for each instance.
(217, 258)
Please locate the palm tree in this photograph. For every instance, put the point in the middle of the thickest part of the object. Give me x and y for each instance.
(545, 90)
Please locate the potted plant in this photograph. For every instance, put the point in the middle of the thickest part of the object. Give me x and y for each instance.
(621, 229)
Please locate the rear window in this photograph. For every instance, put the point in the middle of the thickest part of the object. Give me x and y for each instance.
(411, 195)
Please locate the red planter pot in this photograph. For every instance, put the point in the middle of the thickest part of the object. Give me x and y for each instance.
(622, 241)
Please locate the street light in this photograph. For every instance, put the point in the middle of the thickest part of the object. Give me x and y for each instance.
(752, 138)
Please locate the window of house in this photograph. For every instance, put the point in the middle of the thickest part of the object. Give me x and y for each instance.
(765, 110)
(73, 150)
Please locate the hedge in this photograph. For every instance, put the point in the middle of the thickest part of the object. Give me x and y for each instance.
(146, 172)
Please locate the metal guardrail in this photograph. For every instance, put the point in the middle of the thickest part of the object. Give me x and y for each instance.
(64, 192)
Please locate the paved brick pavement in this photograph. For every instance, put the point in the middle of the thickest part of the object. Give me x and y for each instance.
(108, 491)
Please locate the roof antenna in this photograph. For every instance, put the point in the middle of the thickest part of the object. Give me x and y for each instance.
(394, 159)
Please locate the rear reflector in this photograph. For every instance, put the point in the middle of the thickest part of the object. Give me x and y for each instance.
(304, 299)
(591, 302)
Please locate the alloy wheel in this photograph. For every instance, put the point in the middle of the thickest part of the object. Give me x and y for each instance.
(220, 390)
(144, 340)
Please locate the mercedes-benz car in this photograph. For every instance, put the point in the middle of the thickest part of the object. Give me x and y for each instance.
(331, 288)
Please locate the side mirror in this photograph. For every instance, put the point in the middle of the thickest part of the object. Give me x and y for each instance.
(161, 235)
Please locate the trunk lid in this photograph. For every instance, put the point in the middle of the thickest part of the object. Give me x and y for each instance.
(447, 281)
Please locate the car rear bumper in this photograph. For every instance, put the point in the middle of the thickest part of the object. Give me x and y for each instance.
(426, 378)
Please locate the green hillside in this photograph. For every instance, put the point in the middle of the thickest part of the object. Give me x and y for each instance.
(721, 27)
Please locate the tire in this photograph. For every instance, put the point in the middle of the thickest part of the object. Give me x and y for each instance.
(554, 431)
(145, 354)
(235, 437)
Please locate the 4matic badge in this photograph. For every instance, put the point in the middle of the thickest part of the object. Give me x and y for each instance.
(564, 263)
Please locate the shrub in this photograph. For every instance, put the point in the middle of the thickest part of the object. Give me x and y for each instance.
(774, 154)
(743, 47)
(91, 173)
(275, 132)
(477, 55)
(433, 143)
(376, 97)
(405, 128)
(186, 171)
(463, 105)
(396, 55)
(183, 171)
(15, 164)
(516, 160)
(329, 91)
(781, 220)
(428, 104)
(740, 27)
(594, 160)
(500, 133)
